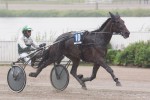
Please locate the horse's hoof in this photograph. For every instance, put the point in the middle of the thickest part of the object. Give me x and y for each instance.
(84, 88)
(80, 76)
(118, 84)
(32, 75)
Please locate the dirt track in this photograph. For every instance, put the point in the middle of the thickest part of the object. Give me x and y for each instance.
(135, 86)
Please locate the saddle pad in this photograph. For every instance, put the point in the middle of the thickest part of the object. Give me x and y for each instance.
(78, 37)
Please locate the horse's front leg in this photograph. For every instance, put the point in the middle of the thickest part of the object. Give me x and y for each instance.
(109, 70)
(94, 72)
(74, 74)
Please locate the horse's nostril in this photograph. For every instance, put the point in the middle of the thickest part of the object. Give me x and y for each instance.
(127, 34)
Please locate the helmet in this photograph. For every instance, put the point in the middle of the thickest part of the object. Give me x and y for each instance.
(26, 28)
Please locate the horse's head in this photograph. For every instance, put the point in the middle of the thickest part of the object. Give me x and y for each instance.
(118, 25)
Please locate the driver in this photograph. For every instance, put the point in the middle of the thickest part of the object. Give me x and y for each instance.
(26, 44)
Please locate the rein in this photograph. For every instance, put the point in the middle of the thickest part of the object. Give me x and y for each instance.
(113, 33)
(67, 38)
(60, 40)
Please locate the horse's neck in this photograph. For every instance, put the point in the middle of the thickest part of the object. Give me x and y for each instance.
(107, 35)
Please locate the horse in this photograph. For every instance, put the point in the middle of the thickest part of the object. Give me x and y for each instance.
(93, 49)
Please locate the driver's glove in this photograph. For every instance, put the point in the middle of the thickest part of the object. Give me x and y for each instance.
(42, 45)
(32, 49)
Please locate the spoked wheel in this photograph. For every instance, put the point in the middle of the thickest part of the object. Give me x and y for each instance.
(59, 77)
(16, 78)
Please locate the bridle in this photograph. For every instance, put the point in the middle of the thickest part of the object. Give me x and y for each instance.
(110, 31)
(84, 35)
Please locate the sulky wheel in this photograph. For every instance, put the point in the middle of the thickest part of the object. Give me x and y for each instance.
(59, 77)
(16, 78)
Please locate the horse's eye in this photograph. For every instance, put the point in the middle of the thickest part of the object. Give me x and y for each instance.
(116, 22)
(121, 27)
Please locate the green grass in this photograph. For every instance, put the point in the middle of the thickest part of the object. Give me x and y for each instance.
(74, 13)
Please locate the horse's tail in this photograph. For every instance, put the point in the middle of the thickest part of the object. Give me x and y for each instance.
(46, 54)
(53, 54)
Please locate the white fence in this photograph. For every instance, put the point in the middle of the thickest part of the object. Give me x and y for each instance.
(118, 42)
(9, 52)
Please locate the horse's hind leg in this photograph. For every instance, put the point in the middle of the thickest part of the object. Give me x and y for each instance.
(41, 65)
(94, 72)
(74, 73)
(109, 70)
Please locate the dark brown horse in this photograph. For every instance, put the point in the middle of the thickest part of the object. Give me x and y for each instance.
(93, 49)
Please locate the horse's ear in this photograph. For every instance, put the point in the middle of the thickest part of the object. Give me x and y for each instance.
(117, 14)
(112, 15)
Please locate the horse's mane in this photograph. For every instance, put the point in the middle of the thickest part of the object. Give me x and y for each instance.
(103, 25)
(66, 35)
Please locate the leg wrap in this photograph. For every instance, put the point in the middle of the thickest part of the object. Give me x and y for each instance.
(116, 79)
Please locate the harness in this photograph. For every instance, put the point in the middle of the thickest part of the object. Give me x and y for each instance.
(80, 36)
(80, 43)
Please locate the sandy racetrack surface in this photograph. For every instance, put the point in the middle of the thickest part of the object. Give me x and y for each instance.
(135, 86)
